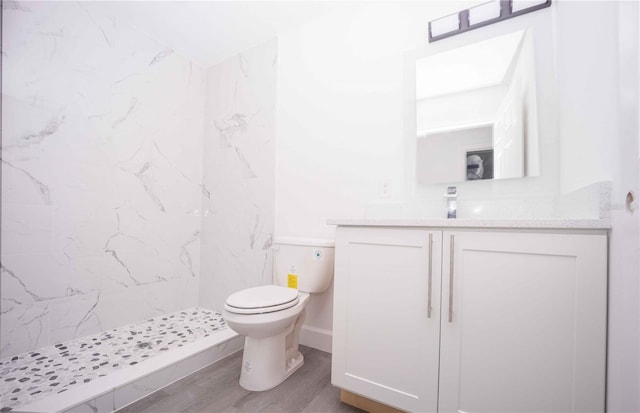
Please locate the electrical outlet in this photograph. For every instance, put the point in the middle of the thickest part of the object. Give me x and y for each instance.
(384, 189)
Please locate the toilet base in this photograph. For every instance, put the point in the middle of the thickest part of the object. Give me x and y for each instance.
(294, 364)
(269, 361)
(264, 365)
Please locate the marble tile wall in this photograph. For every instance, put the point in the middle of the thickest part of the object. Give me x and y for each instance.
(239, 169)
(101, 174)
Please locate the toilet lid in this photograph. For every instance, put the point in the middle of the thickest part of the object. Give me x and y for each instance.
(266, 298)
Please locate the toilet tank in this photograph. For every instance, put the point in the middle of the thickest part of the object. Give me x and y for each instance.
(303, 263)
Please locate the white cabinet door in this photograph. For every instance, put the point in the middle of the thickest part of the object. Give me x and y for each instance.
(385, 339)
(523, 322)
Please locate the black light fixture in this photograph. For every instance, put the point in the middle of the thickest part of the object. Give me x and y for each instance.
(481, 15)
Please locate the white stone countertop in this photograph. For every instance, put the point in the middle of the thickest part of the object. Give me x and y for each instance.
(533, 223)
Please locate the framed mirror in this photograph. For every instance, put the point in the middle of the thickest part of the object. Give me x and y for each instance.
(477, 111)
(481, 106)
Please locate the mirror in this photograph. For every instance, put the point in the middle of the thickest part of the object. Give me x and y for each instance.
(476, 111)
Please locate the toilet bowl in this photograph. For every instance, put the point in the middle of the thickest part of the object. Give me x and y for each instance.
(271, 316)
(271, 344)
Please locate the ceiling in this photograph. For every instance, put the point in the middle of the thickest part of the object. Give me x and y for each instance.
(213, 31)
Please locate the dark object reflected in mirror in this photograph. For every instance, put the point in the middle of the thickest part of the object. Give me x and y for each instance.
(480, 165)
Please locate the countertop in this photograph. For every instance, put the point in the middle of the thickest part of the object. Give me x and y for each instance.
(551, 223)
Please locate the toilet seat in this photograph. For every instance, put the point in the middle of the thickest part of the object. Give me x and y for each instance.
(260, 300)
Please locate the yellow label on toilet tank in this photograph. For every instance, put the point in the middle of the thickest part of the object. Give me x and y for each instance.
(292, 281)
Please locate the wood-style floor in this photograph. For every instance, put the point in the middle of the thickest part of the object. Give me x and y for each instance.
(215, 389)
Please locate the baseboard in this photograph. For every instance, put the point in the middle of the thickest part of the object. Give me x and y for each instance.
(317, 338)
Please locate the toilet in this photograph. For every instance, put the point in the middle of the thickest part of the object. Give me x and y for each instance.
(271, 316)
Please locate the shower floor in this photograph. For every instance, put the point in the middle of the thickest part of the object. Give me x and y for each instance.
(60, 368)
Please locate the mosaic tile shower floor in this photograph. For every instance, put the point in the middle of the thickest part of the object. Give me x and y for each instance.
(54, 369)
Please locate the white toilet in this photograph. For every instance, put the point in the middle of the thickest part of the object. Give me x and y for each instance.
(271, 316)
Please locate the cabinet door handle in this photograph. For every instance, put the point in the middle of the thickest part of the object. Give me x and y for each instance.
(430, 275)
(451, 251)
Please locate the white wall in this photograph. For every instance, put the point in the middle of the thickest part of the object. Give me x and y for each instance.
(239, 174)
(624, 266)
(340, 119)
(340, 112)
(587, 77)
(101, 175)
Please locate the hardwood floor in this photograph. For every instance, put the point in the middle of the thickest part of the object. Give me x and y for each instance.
(216, 389)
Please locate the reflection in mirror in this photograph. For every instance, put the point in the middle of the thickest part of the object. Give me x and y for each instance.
(476, 112)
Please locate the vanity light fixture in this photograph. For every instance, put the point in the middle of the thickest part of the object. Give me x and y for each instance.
(484, 12)
(519, 5)
(481, 15)
(444, 25)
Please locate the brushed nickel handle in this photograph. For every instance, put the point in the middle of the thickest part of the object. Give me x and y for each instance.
(451, 250)
(430, 274)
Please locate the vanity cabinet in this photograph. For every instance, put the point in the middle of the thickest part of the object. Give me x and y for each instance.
(468, 320)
